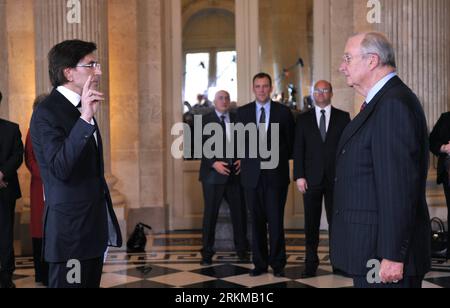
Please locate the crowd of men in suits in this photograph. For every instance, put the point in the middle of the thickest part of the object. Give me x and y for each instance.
(370, 172)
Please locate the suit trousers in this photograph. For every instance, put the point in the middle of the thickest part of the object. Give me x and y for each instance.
(267, 203)
(313, 200)
(90, 270)
(214, 195)
(7, 262)
(447, 197)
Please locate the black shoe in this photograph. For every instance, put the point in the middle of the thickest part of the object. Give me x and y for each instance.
(257, 272)
(278, 273)
(243, 257)
(9, 285)
(308, 273)
(206, 262)
(338, 272)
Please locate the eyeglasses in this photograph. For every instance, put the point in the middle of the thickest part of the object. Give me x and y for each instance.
(322, 91)
(347, 59)
(94, 65)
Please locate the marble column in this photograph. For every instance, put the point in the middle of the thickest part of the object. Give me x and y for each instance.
(59, 20)
(420, 31)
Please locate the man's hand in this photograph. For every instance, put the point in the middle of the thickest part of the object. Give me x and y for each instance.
(90, 100)
(391, 272)
(446, 148)
(237, 166)
(2, 183)
(302, 185)
(222, 168)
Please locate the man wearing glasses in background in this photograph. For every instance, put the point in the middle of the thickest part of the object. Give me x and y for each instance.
(317, 136)
(79, 219)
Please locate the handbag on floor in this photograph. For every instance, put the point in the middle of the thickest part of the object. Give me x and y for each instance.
(138, 239)
(439, 239)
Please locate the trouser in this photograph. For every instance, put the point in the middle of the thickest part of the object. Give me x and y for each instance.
(313, 215)
(69, 276)
(267, 203)
(214, 195)
(7, 262)
(40, 266)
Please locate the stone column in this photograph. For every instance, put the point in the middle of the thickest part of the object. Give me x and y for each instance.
(59, 20)
(420, 31)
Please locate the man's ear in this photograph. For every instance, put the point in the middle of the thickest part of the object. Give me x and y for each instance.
(374, 61)
(68, 74)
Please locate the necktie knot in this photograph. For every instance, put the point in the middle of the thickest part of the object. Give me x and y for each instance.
(364, 106)
(79, 105)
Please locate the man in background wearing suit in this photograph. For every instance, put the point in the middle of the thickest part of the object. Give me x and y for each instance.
(440, 146)
(266, 190)
(11, 158)
(79, 220)
(381, 218)
(316, 139)
(220, 179)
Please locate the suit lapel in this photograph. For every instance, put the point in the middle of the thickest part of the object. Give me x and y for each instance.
(332, 125)
(99, 148)
(362, 117)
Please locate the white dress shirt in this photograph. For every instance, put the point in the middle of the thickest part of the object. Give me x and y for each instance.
(75, 99)
(327, 116)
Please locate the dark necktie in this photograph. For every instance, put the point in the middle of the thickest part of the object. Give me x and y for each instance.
(79, 105)
(262, 119)
(323, 126)
(364, 106)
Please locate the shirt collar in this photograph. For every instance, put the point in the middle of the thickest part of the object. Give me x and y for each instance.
(378, 86)
(226, 114)
(71, 96)
(327, 109)
(266, 106)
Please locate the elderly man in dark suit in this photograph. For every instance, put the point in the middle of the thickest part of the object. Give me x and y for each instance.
(440, 146)
(220, 177)
(79, 219)
(381, 225)
(11, 158)
(317, 136)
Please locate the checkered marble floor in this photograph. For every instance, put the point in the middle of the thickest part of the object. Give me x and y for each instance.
(173, 261)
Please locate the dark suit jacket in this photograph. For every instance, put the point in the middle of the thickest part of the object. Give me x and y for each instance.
(314, 160)
(79, 219)
(440, 136)
(11, 158)
(251, 167)
(208, 174)
(381, 174)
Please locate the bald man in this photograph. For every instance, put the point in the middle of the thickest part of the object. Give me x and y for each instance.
(220, 180)
(316, 140)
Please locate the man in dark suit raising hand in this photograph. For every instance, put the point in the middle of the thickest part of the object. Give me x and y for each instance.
(79, 220)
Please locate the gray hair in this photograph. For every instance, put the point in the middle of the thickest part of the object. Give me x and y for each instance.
(377, 43)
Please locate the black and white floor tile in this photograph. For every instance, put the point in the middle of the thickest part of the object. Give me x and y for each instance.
(173, 261)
